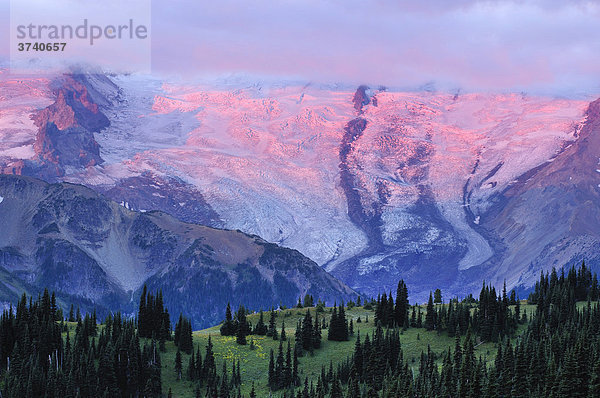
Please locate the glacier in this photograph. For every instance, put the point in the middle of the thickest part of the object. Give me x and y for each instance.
(266, 159)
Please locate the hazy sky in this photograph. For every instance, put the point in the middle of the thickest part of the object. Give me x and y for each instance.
(549, 46)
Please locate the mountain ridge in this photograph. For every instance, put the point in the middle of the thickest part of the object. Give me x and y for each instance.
(70, 239)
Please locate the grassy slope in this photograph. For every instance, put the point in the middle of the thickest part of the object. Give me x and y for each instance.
(254, 363)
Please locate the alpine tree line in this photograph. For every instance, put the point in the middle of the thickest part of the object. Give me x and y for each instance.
(306, 332)
(491, 319)
(558, 355)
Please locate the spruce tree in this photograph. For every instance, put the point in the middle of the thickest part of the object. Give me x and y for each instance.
(341, 325)
(283, 337)
(183, 335)
(71, 314)
(271, 374)
(272, 331)
(299, 339)
(401, 310)
(430, 315)
(191, 372)
(316, 336)
(178, 365)
(307, 333)
(227, 328)
(242, 326)
(332, 333)
(280, 368)
(209, 369)
(260, 328)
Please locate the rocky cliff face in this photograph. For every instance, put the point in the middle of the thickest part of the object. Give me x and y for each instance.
(91, 250)
(65, 137)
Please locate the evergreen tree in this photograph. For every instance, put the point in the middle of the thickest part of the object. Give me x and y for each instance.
(71, 314)
(308, 333)
(299, 339)
(308, 301)
(338, 325)
(209, 368)
(272, 330)
(227, 328)
(242, 327)
(260, 328)
(283, 337)
(178, 365)
(316, 336)
(153, 319)
(401, 310)
(183, 335)
(271, 372)
(280, 368)
(430, 314)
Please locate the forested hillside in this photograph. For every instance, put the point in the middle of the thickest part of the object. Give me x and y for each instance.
(494, 345)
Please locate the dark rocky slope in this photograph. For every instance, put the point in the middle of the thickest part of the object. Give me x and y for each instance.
(94, 251)
(551, 216)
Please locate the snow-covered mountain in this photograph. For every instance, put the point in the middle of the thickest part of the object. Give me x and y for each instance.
(372, 184)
